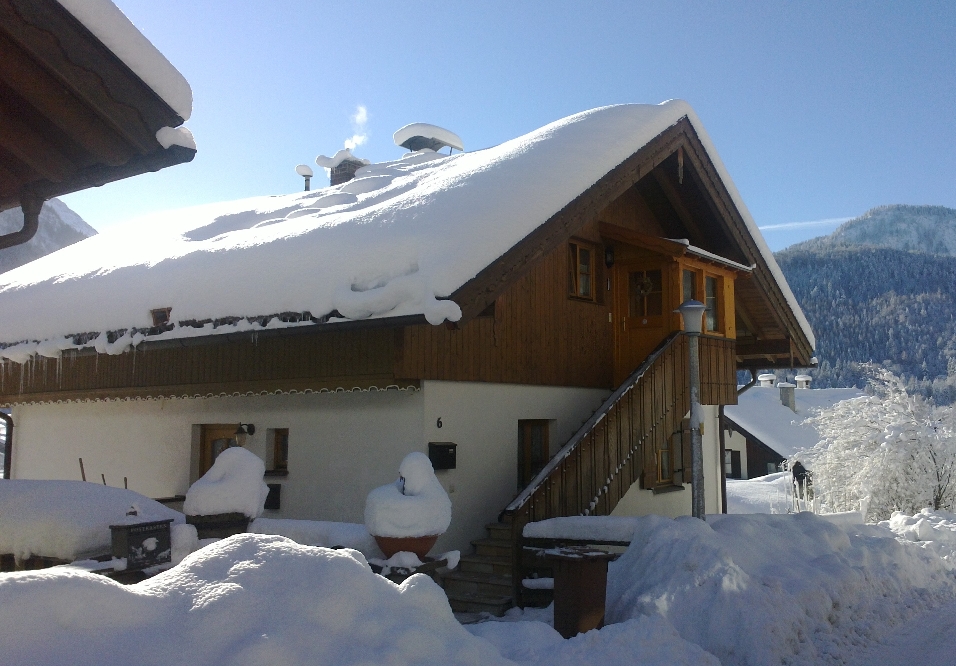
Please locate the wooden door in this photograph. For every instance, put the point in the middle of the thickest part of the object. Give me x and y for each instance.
(216, 438)
(640, 321)
(533, 449)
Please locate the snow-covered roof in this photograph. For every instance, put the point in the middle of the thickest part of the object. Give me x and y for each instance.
(397, 240)
(760, 412)
(110, 25)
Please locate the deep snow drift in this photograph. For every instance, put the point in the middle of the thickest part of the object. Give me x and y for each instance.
(232, 485)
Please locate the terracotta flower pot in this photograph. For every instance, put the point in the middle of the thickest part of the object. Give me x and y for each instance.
(418, 545)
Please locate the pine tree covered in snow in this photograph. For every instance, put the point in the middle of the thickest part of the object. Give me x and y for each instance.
(893, 449)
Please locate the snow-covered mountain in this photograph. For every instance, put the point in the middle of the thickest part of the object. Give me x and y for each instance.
(882, 288)
(59, 227)
(928, 229)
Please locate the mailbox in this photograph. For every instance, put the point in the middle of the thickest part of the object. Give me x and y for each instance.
(442, 455)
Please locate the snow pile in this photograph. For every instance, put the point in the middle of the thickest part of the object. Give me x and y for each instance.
(649, 641)
(934, 530)
(398, 240)
(232, 485)
(765, 494)
(249, 599)
(320, 533)
(68, 520)
(415, 505)
(765, 589)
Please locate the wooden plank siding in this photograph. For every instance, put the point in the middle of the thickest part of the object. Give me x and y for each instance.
(358, 358)
(538, 335)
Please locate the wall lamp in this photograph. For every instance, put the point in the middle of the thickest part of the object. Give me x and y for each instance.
(246, 429)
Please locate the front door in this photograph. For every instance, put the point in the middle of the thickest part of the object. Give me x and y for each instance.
(640, 292)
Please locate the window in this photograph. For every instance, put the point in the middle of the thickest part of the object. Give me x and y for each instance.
(732, 464)
(645, 294)
(277, 451)
(581, 271)
(710, 304)
(534, 449)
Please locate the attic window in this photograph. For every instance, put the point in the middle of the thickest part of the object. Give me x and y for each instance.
(160, 316)
(581, 271)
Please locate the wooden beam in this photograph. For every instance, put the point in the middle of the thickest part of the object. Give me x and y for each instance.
(675, 199)
(763, 348)
(663, 246)
(33, 149)
(59, 106)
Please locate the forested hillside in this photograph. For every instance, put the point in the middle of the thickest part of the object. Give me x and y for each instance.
(881, 304)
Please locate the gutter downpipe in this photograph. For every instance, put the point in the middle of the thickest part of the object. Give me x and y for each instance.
(31, 205)
(723, 447)
(7, 445)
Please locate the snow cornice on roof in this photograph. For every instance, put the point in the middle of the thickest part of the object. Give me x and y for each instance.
(397, 241)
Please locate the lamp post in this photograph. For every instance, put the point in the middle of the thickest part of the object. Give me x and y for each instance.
(692, 312)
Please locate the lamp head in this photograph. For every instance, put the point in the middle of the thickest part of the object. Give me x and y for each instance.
(692, 312)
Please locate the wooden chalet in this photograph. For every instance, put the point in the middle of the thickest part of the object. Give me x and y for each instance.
(562, 390)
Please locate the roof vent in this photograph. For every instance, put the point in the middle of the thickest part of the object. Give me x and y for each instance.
(803, 381)
(422, 136)
(767, 379)
(304, 171)
(342, 166)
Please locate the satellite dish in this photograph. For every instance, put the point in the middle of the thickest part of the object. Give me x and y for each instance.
(418, 136)
(304, 170)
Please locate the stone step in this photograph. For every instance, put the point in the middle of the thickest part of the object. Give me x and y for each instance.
(492, 547)
(466, 582)
(499, 531)
(484, 564)
(479, 603)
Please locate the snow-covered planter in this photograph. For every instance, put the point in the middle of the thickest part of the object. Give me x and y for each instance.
(228, 496)
(410, 514)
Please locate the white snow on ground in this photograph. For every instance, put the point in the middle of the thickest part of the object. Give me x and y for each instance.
(413, 506)
(599, 528)
(249, 599)
(232, 485)
(926, 640)
(397, 241)
(68, 520)
(764, 589)
(765, 494)
(110, 25)
(933, 530)
(760, 412)
(320, 533)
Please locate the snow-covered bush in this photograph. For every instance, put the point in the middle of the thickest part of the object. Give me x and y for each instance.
(415, 505)
(894, 450)
(232, 485)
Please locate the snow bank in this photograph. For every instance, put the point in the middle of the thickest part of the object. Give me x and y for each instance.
(232, 485)
(415, 505)
(320, 533)
(249, 599)
(649, 641)
(433, 226)
(766, 589)
(933, 530)
(765, 494)
(68, 520)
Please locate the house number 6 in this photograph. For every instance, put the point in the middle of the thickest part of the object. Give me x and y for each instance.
(439, 422)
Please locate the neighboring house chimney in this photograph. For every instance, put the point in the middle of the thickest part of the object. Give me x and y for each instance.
(786, 395)
(803, 381)
(767, 379)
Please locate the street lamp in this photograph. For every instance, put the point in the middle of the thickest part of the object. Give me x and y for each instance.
(692, 312)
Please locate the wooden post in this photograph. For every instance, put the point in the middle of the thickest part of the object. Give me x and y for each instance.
(82, 471)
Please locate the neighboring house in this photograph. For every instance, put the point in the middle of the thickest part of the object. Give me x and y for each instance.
(480, 306)
(766, 426)
(86, 100)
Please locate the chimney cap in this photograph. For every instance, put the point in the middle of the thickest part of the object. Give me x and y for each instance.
(786, 385)
(423, 135)
(304, 170)
(803, 378)
(766, 377)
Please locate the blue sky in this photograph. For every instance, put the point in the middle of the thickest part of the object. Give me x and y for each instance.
(820, 110)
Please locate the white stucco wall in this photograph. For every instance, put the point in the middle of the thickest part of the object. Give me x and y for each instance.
(482, 419)
(639, 502)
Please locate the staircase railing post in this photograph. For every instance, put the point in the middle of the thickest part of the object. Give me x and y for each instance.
(692, 312)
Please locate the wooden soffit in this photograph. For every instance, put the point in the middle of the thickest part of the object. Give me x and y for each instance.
(72, 114)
